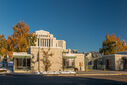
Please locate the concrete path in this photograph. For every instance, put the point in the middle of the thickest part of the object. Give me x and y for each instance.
(100, 72)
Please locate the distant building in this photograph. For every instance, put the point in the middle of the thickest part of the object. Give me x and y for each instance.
(94, 60)
(116, 61)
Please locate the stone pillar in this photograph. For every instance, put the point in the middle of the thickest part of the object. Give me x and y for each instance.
(52, 43)
(41, 42)
(44, 43)
(49, 42)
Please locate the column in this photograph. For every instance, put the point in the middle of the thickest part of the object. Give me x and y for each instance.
(38, 41)
(42, 42)
(45, 43)
(49, 42)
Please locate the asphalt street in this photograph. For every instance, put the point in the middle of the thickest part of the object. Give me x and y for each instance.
(57, 80)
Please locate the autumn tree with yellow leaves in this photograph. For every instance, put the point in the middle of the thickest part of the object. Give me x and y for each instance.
(3, 45)
(112, 45)
(21, 39)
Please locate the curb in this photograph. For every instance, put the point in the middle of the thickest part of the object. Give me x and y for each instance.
(78, 75)
(100, 74)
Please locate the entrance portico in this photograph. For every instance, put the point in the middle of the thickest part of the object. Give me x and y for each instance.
(22, 62)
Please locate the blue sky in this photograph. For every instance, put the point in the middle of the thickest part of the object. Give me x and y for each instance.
(82, 23)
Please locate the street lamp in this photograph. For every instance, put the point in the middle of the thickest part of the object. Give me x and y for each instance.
(38, 57)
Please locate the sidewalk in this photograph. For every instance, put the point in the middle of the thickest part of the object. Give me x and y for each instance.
(100, 72)
(92, 73)
(88, 73)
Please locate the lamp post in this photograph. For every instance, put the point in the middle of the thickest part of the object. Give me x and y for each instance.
(85, 63)
(38, 57)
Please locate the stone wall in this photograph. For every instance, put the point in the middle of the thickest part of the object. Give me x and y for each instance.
(115, 60)
(80, 59)
(119, 61)
(111, 59)
(55, 59)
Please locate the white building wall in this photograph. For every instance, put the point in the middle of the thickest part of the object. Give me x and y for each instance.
(45, 39)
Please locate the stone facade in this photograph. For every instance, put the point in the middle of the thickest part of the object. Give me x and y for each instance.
(115, 61)
(79, 62)
(55, 59)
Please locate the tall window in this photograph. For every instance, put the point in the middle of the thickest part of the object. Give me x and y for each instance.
(23, 63)
(68, 63)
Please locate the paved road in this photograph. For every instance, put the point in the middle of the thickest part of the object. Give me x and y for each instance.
(43, 80)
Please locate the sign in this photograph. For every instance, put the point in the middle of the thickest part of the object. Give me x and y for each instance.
(80, 64)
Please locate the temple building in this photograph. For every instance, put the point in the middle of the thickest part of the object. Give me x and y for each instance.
(45, 39)
(48, 54)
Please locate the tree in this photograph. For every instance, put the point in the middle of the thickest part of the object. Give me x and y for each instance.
(31, 39)
(3, 46)
(112, 45)
(21, 39)
(3, 50)
(46, 60)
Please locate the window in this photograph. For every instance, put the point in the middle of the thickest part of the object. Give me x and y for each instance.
(28, 62)
(23, 63)
(68, 63)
